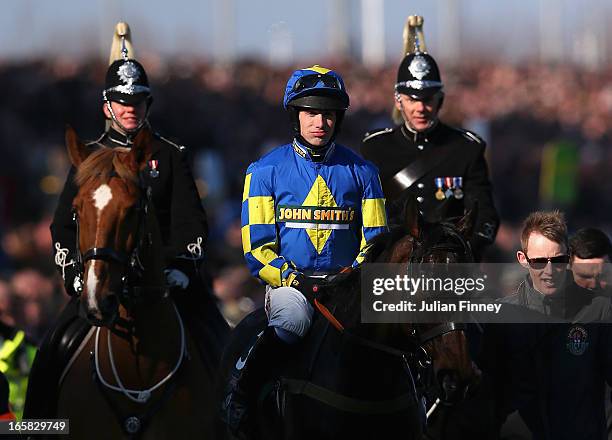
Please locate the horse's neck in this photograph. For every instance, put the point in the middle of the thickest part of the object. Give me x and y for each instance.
(154, 324)
(154, 316)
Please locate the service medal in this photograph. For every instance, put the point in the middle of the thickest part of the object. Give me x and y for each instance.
(439, 184)
(457, 184)
(154, 173)
(448, 181)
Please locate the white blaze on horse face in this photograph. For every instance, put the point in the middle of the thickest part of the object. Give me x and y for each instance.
(92, 285)
(102, 196)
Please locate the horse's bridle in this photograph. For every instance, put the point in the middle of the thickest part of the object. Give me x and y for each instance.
(431, 244)
(419, 339)
(131, 263)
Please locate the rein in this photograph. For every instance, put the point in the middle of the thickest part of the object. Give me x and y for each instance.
(138, 396)
(420, 339)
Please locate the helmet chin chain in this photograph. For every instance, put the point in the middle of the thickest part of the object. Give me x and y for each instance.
(119, 124)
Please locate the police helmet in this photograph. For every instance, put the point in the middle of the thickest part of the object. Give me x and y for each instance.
(418, 76)
(126, 82)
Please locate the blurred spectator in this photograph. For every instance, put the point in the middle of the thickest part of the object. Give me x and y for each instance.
(590, 251)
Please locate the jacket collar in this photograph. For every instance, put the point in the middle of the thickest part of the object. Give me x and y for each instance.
(114, 138)
(306, 153)
(419, 136)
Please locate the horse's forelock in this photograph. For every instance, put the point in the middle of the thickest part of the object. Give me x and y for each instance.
(101, 163)
(124, 168)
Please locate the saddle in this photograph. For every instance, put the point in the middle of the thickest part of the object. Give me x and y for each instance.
(292, 392)
(56, 350)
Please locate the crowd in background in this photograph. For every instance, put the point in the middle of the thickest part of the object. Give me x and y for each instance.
(228, 115)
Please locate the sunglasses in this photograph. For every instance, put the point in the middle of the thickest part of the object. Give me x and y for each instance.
(539, 263)
(309, 81)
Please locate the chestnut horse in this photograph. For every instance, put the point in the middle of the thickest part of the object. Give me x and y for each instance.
(348, 379)
(138, 373)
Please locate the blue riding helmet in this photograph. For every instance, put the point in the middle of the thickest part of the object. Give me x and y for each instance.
(316, 87)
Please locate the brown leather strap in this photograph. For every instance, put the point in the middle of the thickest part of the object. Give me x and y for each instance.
(345, 403)
(329, 316)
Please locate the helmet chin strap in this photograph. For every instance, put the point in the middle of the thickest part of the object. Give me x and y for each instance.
(312, 149)
(126, 131)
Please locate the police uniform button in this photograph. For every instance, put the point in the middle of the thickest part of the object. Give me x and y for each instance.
(420, 199)
(420, 185)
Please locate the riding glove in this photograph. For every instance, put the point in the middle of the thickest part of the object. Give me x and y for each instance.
(176, 278)
(309, 287)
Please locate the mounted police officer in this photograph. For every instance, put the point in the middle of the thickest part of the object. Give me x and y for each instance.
(309, 208)
(443, 167)
(127, 99)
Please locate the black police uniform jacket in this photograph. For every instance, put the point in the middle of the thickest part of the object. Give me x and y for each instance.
(393, 149)
(180, 214)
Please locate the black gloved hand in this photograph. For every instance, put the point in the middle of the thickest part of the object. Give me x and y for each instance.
(311, 288)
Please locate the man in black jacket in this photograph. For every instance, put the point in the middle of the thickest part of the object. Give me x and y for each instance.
(551, 361)
(443, 167)
(183, 226)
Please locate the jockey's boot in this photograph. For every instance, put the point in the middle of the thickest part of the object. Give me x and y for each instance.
(58, 346)
(253, 368)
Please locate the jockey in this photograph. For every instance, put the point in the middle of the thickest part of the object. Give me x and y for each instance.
(309, 208)
(126, 102)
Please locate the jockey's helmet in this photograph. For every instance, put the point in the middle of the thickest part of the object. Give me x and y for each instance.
(315, 88)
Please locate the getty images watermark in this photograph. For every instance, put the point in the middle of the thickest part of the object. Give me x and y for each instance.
(431, 293)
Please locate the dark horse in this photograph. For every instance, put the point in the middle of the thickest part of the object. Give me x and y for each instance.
(348, 379)
(138, 373)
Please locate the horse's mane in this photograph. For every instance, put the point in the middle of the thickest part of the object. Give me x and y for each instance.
(341, 291)
(102, 163)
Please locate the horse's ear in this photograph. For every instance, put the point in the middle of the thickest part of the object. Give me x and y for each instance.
(465, 225)
(141, 148)
(77, 150)
(411, 216)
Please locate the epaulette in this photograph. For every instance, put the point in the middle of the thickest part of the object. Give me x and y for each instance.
(181, 148)
(371, 134)
(470, 135)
